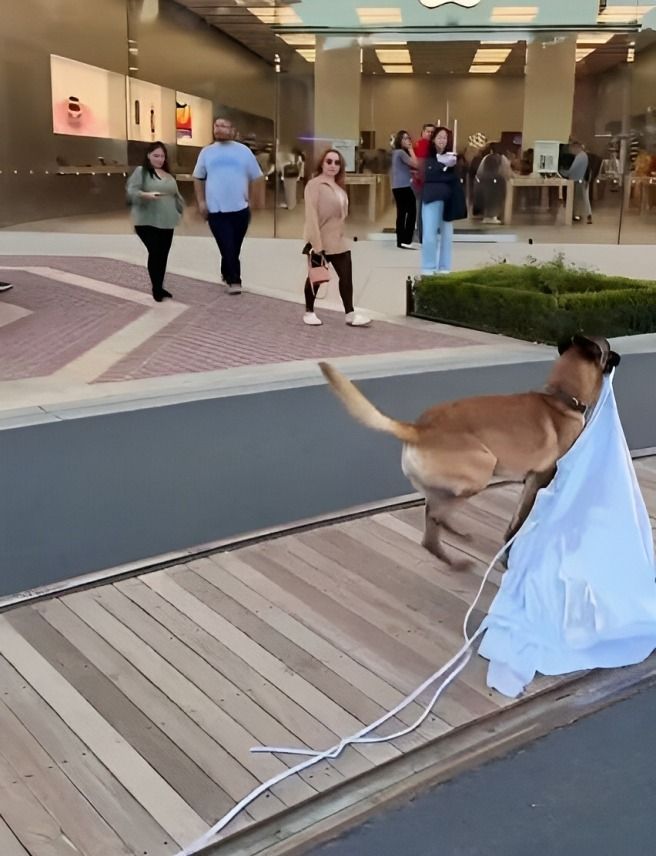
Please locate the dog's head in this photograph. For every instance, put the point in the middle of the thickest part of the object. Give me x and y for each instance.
(594, 349)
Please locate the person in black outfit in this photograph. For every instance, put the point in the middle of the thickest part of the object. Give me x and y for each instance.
(404, 163)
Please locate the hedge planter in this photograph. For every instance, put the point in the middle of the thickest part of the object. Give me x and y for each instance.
(539, 302)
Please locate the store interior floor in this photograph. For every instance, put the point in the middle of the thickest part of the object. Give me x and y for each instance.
(609, 225)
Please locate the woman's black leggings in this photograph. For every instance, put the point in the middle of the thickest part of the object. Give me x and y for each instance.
(406, 214)
(341, 262)
(158, 243)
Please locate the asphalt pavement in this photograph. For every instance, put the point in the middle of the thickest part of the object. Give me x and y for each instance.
(585, 790)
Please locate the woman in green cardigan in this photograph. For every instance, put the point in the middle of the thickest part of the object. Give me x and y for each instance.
(156, 205)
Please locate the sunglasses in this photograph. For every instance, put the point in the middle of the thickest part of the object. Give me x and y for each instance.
(332, 162)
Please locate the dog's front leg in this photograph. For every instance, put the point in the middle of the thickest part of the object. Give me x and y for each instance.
(532, 484)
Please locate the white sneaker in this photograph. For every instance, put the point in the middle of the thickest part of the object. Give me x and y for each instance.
(5, 286)
(234, 288)
(408, 246)
(355, 319)
(311, 319)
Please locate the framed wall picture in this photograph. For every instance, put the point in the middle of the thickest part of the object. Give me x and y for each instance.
(150, 111)
(87, 101)
(193, 120)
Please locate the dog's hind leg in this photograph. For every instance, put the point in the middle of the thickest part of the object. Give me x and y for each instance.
(439, 507)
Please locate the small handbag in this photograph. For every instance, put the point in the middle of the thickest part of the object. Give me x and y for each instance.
(318, 272)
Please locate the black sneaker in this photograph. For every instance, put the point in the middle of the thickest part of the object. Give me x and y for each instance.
(5, 286)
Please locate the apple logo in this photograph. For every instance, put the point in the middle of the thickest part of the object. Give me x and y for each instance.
(433, 4)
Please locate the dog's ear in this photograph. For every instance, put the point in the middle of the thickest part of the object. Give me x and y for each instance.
(612, 362)
(564, 345)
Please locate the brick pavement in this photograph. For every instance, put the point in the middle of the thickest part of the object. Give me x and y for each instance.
(216, 331)
(64, 321)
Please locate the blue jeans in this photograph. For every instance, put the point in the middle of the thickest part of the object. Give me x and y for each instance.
(434, 257)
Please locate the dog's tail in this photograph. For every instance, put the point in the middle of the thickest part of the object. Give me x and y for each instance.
(363, 410)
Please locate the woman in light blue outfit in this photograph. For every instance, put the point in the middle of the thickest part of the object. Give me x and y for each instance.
(443, 201)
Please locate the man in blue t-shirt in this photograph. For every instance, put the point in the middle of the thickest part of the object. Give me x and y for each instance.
(223, 176)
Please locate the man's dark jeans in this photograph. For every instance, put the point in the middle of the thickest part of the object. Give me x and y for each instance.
(229, 230)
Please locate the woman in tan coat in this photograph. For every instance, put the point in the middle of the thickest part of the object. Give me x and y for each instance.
(326, 208)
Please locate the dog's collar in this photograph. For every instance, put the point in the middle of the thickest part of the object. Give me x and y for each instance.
(569, 400)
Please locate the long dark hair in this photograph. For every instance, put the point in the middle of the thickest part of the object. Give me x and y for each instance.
(340, 178)
(449, 139)
(398, 137)
(147, 164)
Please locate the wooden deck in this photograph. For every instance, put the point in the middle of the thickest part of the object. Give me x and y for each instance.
(127, 711)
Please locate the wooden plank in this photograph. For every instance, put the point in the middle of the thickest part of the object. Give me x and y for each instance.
(359, 679)
(313, 700)
(107, 795)
(251, 684)
(195, 743)
(142, 734)
(268, 666)
(235, 740)
(79, 821)
(249, 722)
(301, 613)
(357, 633)
(36, 829)
(9, 844)
(297, 657)
(386, 598)
(150, 789)
(323, 679)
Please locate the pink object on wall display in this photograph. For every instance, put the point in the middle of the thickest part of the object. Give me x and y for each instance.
(87, 101)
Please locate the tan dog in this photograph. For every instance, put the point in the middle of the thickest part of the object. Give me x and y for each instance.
(454, 450)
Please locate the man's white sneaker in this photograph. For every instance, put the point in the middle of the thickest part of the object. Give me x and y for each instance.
(408, 247)
(355, 319)
(311, 319)
(234, 288)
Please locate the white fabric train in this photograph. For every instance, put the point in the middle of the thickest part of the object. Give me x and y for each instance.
(579, 592)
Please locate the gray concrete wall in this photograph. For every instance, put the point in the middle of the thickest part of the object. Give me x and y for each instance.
(79, 495)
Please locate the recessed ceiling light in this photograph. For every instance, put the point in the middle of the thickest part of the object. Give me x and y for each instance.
(298, 39)
(398, 69)
(484, 69)
(379, 15)
(283, 15)
(622, 14)
(593, 38)
(491, 55)
(398, 56)
(514, 14)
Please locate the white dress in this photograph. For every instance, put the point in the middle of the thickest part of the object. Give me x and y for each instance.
(579, 592)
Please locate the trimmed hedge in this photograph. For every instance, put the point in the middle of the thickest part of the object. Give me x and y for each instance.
(539, 302)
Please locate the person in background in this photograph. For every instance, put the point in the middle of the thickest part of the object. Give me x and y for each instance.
(156, 205)
(421, 148)
(578, 173)
(226, 172)
(403, 163)
(443, 201)
(492, 176)
(326, 209)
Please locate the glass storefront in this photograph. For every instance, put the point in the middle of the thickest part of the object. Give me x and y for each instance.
(87, 86)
